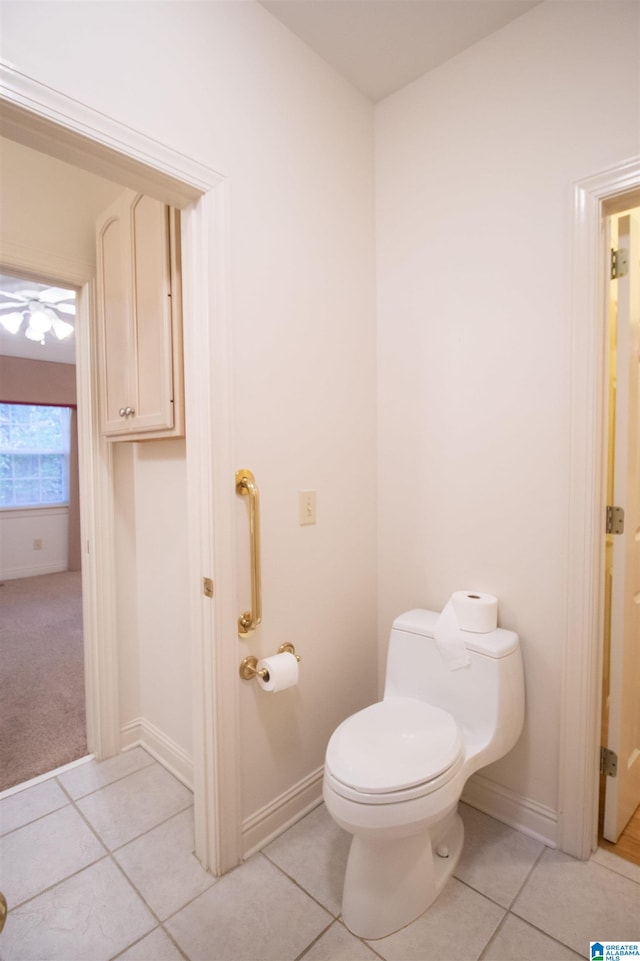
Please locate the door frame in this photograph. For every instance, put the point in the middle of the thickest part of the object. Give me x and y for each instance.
(609, 190)
(47, 120)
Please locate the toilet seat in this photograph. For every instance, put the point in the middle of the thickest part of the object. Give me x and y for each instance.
(393, 750)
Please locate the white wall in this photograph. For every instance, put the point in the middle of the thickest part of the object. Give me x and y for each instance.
(163, 615)
(475, 165)
(225, 83)
(34, 541)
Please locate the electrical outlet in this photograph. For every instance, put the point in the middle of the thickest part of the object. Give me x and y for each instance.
(37, 544)
(307, 503)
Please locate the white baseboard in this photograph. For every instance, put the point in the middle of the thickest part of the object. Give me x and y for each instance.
(519, 812)
(142, 733)
(33, 570)
(274, 818)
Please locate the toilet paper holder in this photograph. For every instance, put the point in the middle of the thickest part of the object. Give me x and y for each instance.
(249, 665)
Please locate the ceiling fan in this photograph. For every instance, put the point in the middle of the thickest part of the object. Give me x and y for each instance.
(43, 308)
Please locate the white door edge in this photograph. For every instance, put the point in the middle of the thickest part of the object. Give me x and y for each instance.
(582, 670)
(47, 120)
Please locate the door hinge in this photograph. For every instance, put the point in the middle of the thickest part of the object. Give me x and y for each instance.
(615, 520)
(207, 587)
(619, 263)
(608, 762)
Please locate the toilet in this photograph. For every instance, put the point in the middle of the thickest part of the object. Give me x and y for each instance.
(395, 771)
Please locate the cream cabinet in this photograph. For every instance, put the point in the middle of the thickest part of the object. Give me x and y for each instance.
(139, 303)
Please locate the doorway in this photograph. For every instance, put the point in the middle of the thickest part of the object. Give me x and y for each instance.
(61, 127)
(615, 189)
(619, 789)
(43, 702)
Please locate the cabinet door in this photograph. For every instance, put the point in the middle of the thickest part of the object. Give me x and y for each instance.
(140, 319)
(153, 403)
(114, 316)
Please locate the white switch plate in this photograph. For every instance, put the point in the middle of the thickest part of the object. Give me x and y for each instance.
(307, 502)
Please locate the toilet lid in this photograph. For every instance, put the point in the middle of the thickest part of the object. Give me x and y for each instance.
(393, 745)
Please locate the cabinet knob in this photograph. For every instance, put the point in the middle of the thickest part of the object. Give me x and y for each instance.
(126, 412)
(122, 412)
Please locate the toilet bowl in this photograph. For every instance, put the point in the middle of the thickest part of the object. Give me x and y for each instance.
(394, 772)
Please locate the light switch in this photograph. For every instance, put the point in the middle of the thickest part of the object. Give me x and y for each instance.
(307, 504)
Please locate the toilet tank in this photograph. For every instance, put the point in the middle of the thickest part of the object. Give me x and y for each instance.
(486, 698)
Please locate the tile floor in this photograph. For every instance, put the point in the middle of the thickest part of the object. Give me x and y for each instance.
(96, 864)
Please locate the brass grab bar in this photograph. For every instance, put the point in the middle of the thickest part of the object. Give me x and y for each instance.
(246, 486)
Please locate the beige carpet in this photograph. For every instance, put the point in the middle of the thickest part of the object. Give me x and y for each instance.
(42, 708)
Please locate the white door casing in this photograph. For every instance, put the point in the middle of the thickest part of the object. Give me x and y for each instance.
(622, 794)
(46, 120)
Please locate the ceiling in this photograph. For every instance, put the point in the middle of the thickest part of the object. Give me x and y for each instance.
(382, 45)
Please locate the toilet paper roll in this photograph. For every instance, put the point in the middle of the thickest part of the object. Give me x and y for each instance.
(283, 672)
(475, 612)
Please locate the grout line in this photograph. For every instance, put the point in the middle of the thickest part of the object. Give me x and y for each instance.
(159, 927)
(56, 884)
(35, 820)
(293, 881)
(528, 875)
(175, 943)
(117, 780)
(369, 944)
(150, 829)
(494, 935)
(316, 939)
(482, 894)
(547, 934)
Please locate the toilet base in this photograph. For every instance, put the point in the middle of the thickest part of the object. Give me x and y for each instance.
(388, 884)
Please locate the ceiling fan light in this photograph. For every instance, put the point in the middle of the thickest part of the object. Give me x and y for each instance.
(34, 335)
(11, 322)
(39, 322)
(61, 328)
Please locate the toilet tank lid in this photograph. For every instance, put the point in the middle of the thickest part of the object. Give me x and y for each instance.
(496, 643)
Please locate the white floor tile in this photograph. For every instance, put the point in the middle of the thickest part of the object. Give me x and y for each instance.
(338, 944)
(163, 868)
(518, 941)
(314, 853)
(156, 946)
(91, 916)
(126, 809)
(253, 913)
(457, 926)
(94, 775)
(495, 859)
(579, 901)
(44, 852)
(30, 804)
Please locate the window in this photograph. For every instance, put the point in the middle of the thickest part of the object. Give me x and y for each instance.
(34, 455)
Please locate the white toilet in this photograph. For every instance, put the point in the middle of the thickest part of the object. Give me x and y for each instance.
(395, 771)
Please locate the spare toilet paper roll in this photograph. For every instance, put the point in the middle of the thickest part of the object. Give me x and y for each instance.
(475, 612)
(283, 672)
